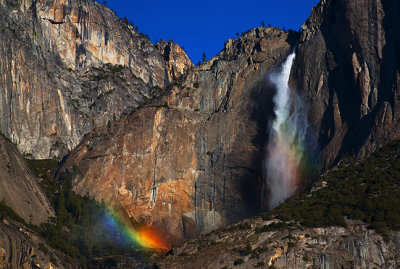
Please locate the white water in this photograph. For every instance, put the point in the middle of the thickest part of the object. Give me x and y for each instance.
(287, 136)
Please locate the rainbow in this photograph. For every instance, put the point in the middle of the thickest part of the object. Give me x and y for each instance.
(289, 158)
(149, 238)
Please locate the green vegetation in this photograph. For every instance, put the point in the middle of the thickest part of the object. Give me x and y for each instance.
(238, 262)
(40, 167)
(8, 212)
(237, 227)
(12, 3)
(204, 57)
(367, 191)
(43, 248)
(277, 226)
(108, 71)
(246, 251)
(260, 264)
(79, 229)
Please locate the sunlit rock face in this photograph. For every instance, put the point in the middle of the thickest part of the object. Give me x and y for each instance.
(178, 62)
(191, 161)
(348, 65)
(70, 66)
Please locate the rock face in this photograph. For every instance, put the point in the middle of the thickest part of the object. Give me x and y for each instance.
(178, 62)
(191, 161)
(245, 247)
(19, 188)
(69, 66)
(348, 65)
(187, 153)
(21, 248)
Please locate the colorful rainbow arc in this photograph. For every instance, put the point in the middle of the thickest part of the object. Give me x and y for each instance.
(145, 237)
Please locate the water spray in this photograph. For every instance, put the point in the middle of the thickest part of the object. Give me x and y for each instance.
(286, 145)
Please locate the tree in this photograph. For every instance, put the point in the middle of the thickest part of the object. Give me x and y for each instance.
(61, 210)
(262, 23)
(126, 20)
(104, 3)
(204, 57)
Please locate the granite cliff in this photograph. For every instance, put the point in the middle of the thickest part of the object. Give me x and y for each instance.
(19, 188)
(69, 66)
(348, 67)
(191, 160)
(181, 147)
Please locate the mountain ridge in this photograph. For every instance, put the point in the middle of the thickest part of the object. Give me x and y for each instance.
(182, 148)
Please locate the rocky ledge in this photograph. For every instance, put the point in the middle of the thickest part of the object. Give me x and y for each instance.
(272, 244)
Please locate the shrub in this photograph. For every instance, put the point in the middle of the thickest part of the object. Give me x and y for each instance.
(43, 248)
(7, 211)
(238, 262)
(260, 264)
(368, 191)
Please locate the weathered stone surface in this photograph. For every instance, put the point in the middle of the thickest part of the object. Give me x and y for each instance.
(19, 188)
(348, 65)
(178, 61)
(191, 161)
(331, 247)
(69, 66)
(19, 248)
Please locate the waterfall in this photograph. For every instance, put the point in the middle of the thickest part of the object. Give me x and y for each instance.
(285, 149)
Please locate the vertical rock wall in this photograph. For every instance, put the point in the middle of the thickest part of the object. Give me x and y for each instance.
(348, 66)
(69, 66)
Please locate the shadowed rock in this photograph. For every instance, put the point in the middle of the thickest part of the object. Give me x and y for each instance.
(19, 188)
(348, 66)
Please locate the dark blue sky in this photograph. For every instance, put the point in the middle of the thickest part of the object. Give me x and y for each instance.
(204, 25)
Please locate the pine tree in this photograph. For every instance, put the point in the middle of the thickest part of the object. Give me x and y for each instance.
(61, 211)
(204, 57)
